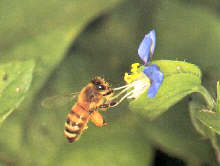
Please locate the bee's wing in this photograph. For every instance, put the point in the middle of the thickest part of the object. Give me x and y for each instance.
(59, 100)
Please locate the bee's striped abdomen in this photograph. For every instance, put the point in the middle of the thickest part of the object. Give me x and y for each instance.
(76, 121)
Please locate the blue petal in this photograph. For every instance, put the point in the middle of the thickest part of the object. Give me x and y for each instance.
(147, 46)
(156, 76)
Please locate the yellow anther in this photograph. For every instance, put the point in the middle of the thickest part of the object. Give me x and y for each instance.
(134, 70)
(135, 65)
(126, 75)
(131, 77)
(127, 78)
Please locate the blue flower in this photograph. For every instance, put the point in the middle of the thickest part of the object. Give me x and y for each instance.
(147, 46)
(156, 77)
(145, 51)
(142, 78)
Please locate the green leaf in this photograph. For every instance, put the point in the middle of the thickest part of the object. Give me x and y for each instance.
(210, 119)
(15, 81)
(195, 107)
(180, 79)
(203, 127)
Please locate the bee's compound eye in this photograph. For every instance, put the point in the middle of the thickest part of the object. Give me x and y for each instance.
(96, 82)
(100, 87)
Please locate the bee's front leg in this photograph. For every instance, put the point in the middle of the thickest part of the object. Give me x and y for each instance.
(107, 105)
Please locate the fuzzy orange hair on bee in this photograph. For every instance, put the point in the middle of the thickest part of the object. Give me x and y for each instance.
(93, 97)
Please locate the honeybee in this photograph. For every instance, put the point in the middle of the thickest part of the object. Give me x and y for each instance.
(96, 95)
(93, 97)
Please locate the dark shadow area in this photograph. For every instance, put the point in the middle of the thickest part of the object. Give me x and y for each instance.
(162, 159)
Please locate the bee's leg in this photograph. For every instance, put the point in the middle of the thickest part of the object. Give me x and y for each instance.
(103, 107)
(97, 119)
(111, 103)
(127, 95)
(106, 105)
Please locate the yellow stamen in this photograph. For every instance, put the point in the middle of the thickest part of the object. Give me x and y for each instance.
(134, 70)
(127, 78)
(135, 65)
(130, 78)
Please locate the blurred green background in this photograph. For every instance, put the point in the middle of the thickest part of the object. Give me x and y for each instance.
(72, 41)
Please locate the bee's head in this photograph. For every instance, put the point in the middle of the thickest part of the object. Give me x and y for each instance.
(102, 86)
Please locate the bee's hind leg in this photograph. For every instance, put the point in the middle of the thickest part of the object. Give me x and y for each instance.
(98, 119)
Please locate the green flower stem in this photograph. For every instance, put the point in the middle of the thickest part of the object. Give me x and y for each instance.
(209, 99)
